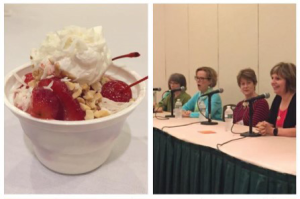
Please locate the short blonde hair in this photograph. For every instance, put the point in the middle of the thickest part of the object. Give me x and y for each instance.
(288, 72)
(211, 75)
(247, 74)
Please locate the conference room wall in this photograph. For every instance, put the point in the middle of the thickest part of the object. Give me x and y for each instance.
(226, 37)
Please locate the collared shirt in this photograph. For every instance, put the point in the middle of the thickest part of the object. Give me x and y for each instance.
(166, 101)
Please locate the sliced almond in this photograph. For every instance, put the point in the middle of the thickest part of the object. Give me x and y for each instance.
(89, 95)
(98, 97)
(70, 85)
(32, 83)
(85, 87)
(101, 113)
(37, 74)
(77, 92)
(104, 79)
(91, 103)
(89, 115)
(96, 86)
(80, 100)
(84, 107)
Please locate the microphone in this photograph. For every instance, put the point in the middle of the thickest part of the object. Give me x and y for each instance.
(262, 96)
(156, 89)
(182, 88)
(251, 100)
(213, 92)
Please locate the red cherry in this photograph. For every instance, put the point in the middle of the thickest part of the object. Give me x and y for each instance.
(117, 91)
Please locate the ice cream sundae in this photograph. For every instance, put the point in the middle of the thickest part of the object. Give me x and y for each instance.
(68, 80)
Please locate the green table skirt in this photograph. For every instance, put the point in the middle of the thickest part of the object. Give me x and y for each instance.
(181, 168)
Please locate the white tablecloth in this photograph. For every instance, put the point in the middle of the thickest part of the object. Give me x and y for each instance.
(125, 30)
(271, 152)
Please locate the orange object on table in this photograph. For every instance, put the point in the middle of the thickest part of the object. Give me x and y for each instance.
(207, 132)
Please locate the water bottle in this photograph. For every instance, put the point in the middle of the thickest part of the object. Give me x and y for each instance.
(202, 111)
(228, 118)
(178, 109)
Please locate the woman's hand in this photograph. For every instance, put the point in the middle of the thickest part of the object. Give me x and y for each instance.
(159, 110)
(186, 113)
(265, 128)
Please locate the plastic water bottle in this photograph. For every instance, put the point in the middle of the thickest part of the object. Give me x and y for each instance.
(228, 118)
(202, 111)
(178, 109)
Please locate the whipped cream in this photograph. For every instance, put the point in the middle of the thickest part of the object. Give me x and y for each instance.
(81, 52)
(21, 94)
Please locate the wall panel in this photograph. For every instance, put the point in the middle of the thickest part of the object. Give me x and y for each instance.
(277, 39)
(159, 51)
(177, 40)
(238, 46)
(203, 40)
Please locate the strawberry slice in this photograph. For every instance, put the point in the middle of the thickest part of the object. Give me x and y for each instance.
(71, 107)
(28, 78)
(117, 91)
(45, 105)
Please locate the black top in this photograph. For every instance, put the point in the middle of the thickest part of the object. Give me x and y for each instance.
(290, 120)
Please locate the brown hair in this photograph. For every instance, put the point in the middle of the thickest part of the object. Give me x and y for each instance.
(178, 78)
(211, 75)
(247, 74)
(288, 72)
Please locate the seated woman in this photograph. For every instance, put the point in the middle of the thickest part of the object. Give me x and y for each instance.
(247, 81)
(176, 80)
(206, 79)
(282, 117)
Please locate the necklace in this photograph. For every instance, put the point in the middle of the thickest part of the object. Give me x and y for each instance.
(245, 104)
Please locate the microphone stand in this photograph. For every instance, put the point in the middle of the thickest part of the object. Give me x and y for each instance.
(172, 105)
(209, 122)
(250, 133)
(154, 99)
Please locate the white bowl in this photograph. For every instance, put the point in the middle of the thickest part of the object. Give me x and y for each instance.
(74, 147)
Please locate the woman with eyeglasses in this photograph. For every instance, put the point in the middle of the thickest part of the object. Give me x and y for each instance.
(282, 117)
(247, 81)
(206, 79)
(176, 80)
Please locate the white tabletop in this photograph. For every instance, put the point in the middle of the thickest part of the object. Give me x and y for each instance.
(125, 30)
(271, 152)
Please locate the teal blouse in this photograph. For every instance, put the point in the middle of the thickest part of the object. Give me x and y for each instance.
(216, 106)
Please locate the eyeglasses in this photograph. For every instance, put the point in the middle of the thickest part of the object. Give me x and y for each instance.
(200, 78)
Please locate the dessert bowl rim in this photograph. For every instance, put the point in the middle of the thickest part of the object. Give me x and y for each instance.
(121, 113)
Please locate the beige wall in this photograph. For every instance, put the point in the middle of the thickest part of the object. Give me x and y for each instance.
(227, 37)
